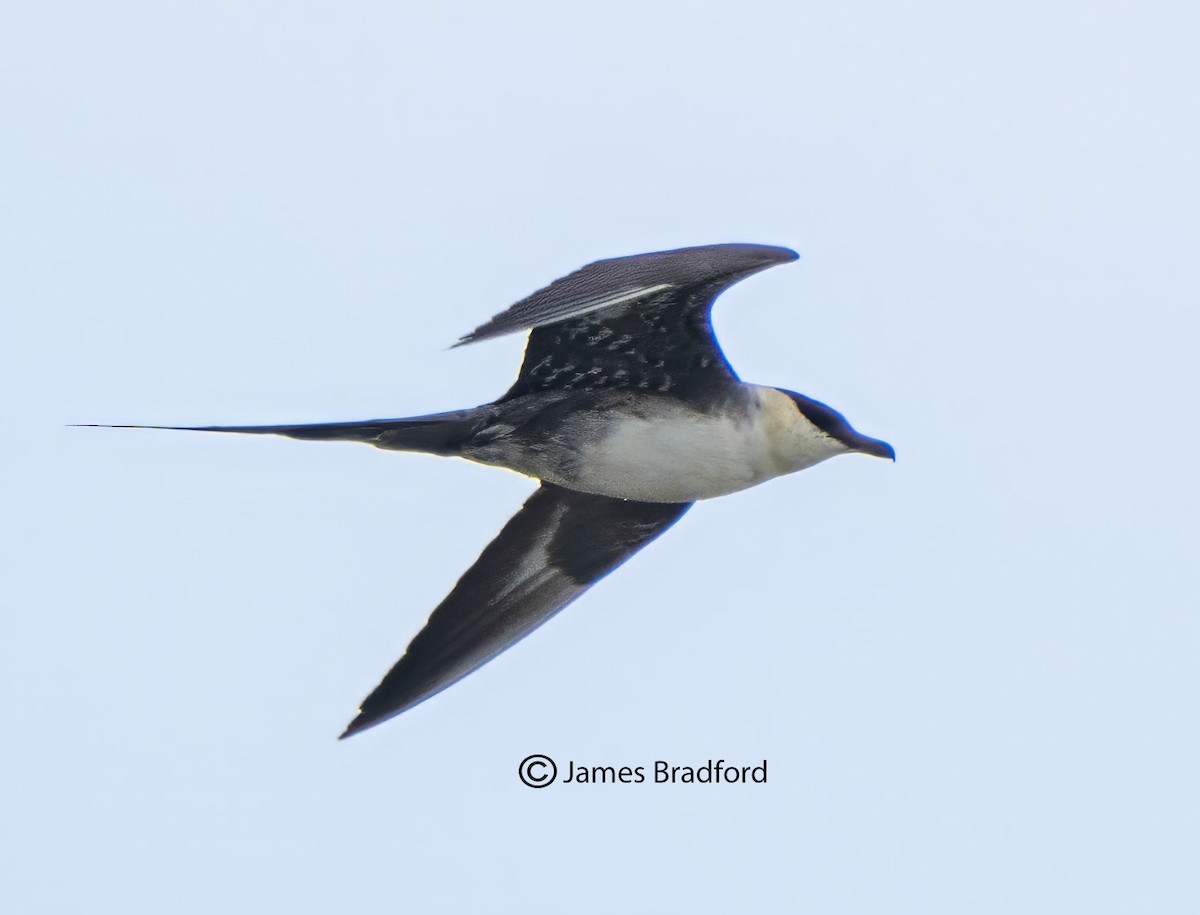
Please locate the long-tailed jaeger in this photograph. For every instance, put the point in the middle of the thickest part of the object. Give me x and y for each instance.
(627, 412)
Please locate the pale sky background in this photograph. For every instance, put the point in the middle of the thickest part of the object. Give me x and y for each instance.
(974, 673)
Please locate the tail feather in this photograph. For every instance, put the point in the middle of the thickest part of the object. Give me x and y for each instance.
(438, 433)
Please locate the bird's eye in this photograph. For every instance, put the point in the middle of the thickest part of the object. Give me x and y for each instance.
(827, 419)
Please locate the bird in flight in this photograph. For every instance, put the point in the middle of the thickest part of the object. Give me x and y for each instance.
(627, 411)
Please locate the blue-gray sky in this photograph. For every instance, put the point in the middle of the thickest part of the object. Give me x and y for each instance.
(973, 673)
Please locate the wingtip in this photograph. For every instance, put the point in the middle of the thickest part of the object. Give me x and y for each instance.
(781, 255)
(484, 331)
(350, 731)
(765, 254)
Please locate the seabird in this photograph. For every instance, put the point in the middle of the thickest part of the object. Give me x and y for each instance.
(627, 411)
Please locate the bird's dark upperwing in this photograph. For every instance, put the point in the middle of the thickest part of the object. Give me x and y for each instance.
(640, 321)
(558, 545)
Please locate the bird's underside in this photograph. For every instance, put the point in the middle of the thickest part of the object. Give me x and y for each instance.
(628, 338)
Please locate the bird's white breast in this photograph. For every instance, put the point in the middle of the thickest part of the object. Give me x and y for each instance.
(680, 453)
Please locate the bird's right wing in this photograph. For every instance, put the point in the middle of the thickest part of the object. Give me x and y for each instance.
(558, 545)
(620, 282)
(640, 322)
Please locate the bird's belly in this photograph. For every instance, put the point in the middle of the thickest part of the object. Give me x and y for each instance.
(681, 459)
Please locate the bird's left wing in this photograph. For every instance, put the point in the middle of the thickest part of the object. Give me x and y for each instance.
(558, 545)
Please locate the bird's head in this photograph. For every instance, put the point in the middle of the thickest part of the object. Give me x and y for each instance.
(833, 424)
